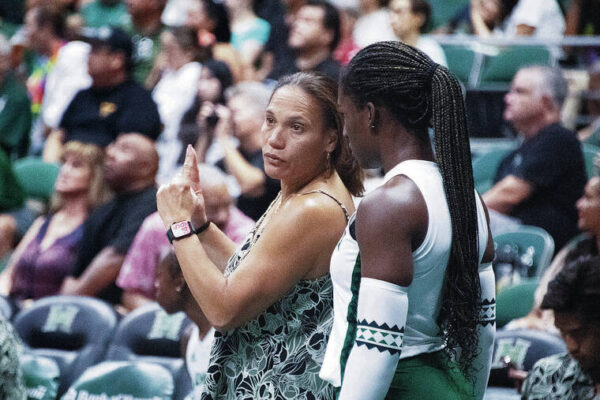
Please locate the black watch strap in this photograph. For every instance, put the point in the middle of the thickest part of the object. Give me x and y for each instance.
(202, 228)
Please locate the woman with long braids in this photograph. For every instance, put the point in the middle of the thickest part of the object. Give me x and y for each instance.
(414, 311)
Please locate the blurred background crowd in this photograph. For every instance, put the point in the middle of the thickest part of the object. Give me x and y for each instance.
(100, 98)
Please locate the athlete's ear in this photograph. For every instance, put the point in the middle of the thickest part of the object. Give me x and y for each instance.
(373, 116)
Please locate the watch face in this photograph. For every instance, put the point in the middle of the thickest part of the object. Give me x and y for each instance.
(181, 229)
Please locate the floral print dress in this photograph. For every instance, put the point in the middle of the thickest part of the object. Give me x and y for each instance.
(278, 354)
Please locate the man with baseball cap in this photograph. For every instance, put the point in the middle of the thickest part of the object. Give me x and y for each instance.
(114, 103)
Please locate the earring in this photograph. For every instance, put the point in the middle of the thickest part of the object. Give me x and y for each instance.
(328, 158)
(372, 126)
(178, 289)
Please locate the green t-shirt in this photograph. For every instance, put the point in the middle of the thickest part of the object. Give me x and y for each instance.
(11, 194)
(8, 29)
(96, 14)
(145, 50)
(15, 117)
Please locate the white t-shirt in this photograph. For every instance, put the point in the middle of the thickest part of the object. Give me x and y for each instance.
(544, 15)
(373, 27)
(173, 95)
(197, 357)
(433, 49)
(69, 76)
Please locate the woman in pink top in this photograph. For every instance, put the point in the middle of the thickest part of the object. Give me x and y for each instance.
(137, 273)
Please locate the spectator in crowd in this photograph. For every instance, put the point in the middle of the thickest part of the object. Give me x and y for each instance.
(591, 133)
(15, 108)
(539, 183)
(11, 196)
(249, 34)
(145, 29)
(47, 252)
(277, 50)
(59, 71)
(215, 79)
(588, 207)
(574, 296)
(114, 103)
(408, 19)
(177, 71)
(314, 35)
(98, 13)
(137, 274)
(173, 295)
(211, 21)
(373, 24)
(479, 17)
(537, 18)
(130, 167)
(241, 121)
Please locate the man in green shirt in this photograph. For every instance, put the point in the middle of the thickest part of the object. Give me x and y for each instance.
(15, 109)
(11, 194)
(145, 29)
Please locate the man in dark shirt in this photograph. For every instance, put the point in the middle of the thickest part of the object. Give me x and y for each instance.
(130, 170)
(314, 35)
(243, 118)
(114, 103)
(539, 182)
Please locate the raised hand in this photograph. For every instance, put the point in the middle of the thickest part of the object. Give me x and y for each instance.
(182, 199)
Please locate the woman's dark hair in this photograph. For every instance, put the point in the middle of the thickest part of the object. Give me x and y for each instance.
(576, 289)
(415, 90)
(218, 13)
(187, 39)
(221, 71)
(331, 20)
(324, 90)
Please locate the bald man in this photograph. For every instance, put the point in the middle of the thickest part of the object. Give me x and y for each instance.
(130, 168)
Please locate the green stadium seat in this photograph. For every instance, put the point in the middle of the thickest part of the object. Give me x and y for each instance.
(463, 62)
(485, 167)
(590, 152)
(123, 380)
(41, 377)
(500, 69)
(515, 301)
(443, 11)
(527, 236)
(36, 177)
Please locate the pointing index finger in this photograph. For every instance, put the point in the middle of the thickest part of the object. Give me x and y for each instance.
(190, 169)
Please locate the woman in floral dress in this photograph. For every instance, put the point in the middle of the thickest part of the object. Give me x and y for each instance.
(270, 300)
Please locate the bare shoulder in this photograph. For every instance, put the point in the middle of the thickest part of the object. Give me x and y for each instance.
(313, 208)
(399, 199)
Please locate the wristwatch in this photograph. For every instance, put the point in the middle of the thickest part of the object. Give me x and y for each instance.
(180, 230)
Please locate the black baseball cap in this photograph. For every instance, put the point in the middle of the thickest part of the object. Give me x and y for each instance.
(116, 39)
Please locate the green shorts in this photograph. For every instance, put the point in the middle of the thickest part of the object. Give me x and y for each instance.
(429, 376)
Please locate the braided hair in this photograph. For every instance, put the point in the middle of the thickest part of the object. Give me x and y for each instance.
(415, 90)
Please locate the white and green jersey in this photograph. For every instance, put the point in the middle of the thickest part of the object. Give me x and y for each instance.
(422, 333)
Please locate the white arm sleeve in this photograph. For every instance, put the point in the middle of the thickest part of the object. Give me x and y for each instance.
(381, 317)
(486, 329)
